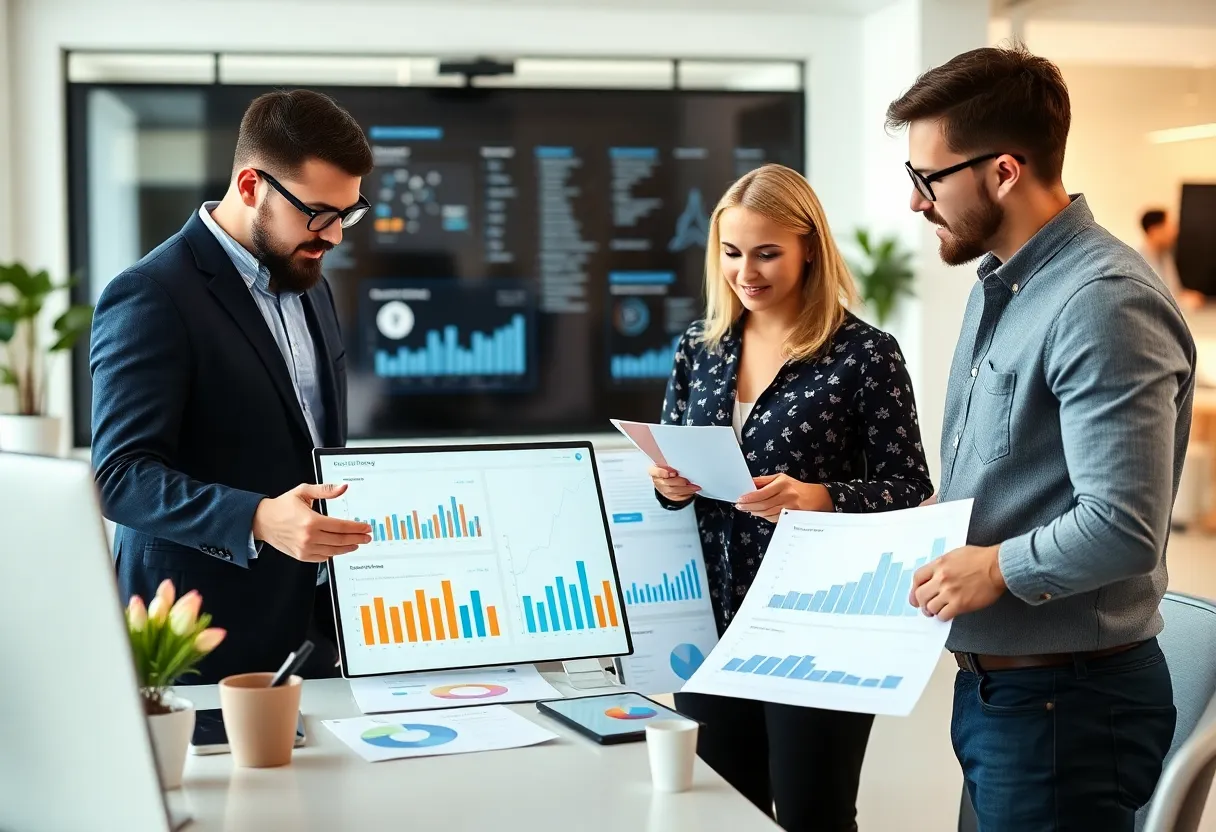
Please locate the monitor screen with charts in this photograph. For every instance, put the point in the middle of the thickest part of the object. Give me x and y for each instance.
(480, 555)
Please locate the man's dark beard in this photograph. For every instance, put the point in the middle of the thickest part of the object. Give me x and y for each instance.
(286, 274)
(971, 232)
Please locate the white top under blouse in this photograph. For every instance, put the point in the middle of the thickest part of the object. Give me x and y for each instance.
(739, 419)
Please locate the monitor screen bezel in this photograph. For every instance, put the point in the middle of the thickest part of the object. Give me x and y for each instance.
(558, 655)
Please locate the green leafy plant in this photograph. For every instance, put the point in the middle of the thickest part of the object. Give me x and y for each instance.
(883, 274)
(21, 304)
(168, 638)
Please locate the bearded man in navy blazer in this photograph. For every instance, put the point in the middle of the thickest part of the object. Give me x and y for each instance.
(217, 366)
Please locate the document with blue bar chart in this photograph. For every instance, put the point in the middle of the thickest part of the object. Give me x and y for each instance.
(658, 556)
(827, 623)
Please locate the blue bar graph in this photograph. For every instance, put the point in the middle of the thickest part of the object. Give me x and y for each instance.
(574, 605)
(751, 664)
(529, 617)
(478, 615)
(500, 353)
(767, 666)
(567, 606)
(648, 364)
(561, 596)
(881, 592)
(686, 586)
(802, 668)
(585, 589)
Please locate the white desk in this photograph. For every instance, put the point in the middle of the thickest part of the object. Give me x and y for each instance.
(569, 784)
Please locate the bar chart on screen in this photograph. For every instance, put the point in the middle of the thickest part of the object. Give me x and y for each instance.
(421, 616)
(448, 520)
(569, 604)
(559, 592)
(447, 515)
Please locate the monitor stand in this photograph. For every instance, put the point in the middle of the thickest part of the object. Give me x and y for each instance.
(587, 674)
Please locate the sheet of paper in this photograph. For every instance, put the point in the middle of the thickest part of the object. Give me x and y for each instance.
(827, 623)
(453, 688)
(708, 456)
(431, 733)
(658, 556)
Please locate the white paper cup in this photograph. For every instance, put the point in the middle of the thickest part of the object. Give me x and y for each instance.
(672, 744)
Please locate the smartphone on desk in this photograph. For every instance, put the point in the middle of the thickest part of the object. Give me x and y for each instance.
(210, 737)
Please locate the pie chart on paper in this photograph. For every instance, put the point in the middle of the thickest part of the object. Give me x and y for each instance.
(409, 735)
(468, 691)
(685, 659)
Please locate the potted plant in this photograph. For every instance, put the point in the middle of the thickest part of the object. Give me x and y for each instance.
(25, 364)
(168, 638)
(883, 274)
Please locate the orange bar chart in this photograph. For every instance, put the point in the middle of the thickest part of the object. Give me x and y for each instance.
(450, 520)
(428, 618)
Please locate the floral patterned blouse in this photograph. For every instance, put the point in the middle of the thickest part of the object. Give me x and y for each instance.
(845, 419)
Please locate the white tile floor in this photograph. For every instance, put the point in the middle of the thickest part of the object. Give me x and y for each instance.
(911, 780)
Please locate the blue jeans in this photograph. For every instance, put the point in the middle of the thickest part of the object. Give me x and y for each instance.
(1069, 748)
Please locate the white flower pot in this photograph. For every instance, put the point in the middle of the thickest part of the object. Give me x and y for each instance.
(29, 434)
(171, 734)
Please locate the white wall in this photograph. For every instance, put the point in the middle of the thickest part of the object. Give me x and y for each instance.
(902, 41)
(891, 66)
(1110, 158)
(7, 399)
(42, 28)
(6, 123)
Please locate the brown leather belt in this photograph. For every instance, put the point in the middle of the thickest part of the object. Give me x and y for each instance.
(977, 662)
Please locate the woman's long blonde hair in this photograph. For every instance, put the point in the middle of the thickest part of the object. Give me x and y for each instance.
(785, 197)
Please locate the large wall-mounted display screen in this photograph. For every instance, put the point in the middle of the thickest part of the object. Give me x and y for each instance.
(530, 258)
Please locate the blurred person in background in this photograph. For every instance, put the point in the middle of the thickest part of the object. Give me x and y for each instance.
(1160, 237)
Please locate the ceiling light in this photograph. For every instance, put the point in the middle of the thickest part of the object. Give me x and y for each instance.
(1184, 134)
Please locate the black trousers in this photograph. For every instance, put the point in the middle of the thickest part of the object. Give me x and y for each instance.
(806, 761)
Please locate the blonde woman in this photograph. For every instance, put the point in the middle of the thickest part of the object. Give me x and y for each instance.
(822, 405)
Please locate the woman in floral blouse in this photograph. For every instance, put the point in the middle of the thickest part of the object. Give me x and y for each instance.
(823, 408)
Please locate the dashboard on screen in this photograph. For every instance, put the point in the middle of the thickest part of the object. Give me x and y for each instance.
(479, 556)
(531, 256)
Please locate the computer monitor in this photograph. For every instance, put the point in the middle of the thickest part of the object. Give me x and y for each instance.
(75, 752)
(481, 555)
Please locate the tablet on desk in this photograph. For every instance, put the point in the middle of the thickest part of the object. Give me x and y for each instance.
(481, 555)
(611, 718)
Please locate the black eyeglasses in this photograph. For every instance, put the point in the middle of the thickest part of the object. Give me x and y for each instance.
(320, 220)
(924, 181)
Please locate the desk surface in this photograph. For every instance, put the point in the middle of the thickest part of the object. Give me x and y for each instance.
(569, 784)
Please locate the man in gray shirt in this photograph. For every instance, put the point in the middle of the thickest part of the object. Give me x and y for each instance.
(1067, 417)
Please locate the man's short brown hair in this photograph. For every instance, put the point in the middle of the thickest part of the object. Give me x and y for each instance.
(994, 100)
(282, 130)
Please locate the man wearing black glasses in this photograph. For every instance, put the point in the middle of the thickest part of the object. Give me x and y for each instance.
(1066, 420)
(217, 366)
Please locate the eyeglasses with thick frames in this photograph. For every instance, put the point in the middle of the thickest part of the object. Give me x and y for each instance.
(924, 181)
(319, 220)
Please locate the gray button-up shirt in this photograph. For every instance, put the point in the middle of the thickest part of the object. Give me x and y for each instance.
(1067, 419)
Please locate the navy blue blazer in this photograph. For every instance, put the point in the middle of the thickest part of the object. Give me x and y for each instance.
(195, 421)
